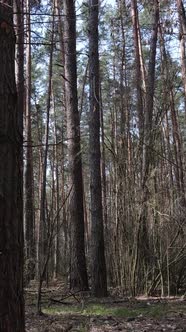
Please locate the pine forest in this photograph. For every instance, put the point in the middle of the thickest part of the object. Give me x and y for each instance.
(92, 164)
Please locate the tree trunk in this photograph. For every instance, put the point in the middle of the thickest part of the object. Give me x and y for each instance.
(78, 272)
(11, 218)
(150, 95)
(142, 233)
(44, 223)
(139, 79)
(28, 176)
(182, 22)
(99, 277)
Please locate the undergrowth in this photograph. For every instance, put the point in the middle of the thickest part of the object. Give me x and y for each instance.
(152, 310)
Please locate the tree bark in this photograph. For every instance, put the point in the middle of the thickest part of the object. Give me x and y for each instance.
(28, 174)
(99, 276)
(78, 272)
(150, 95)
(11, 217)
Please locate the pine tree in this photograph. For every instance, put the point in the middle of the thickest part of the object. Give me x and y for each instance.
(78, 272)
(99, 277)
(11, 218)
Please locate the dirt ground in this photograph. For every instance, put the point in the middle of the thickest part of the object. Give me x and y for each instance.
(109, 314)
(61, 323)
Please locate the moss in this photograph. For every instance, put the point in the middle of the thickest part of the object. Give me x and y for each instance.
(151, 311)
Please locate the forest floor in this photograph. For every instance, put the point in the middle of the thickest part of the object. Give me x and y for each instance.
(63, 311)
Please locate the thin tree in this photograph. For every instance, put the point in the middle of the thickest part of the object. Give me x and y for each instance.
(182, 37)
(99, 276)
(142, 248)
(140, 106)
(11, 218)
(43, 230)
(28, 171)
(78, 271)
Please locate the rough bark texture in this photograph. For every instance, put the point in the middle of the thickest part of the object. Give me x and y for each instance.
(11, 226)
(78, 273)
(99, 278)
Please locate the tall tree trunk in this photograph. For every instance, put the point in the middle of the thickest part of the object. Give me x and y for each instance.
(103, 163)
(99, 277)
(44, 223)
(142, 234)
(78, 272)
(150, 95)
(57, 198)
(28, 176)
(65, 257)
(19, 21)
(11, 217)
